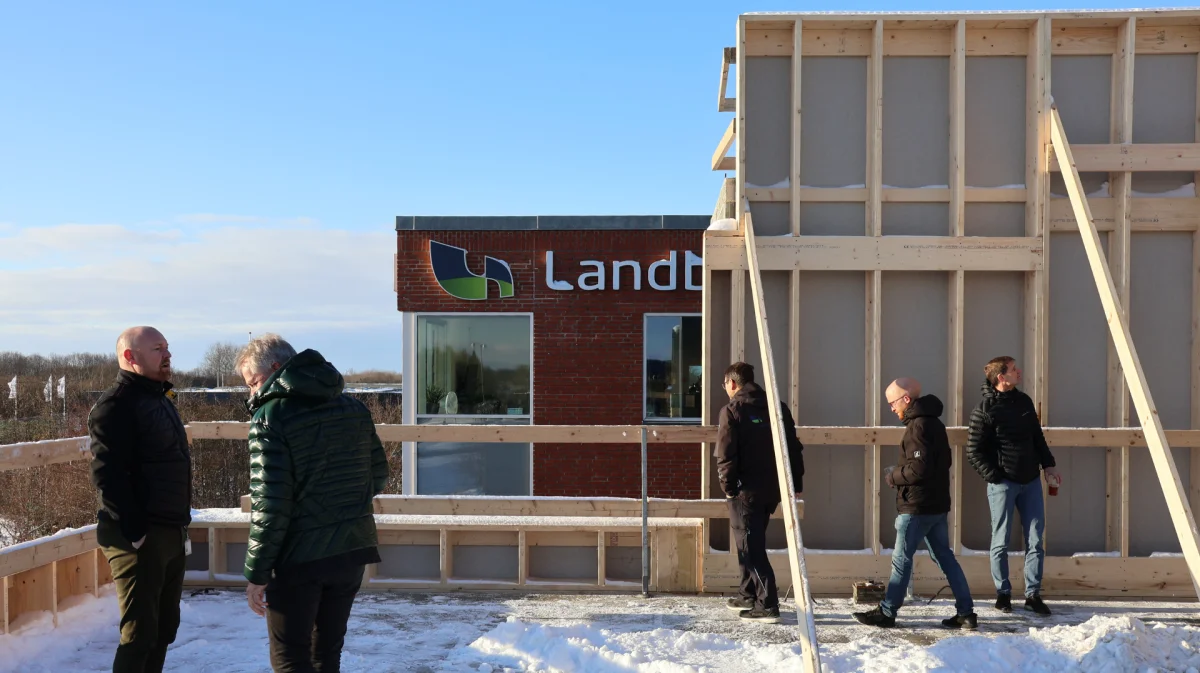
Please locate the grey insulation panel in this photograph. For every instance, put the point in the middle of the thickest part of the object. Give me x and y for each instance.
(916, 121)
(1077, 395)
(833, 219)
(832, 308)
(767, 139)
(833, 135)
(994, 219)
(914, 343)
(235, 557)
(777, 297)
(995, 121)
(1082, 90)
(487, 562)
(1160, 305)
(623, 563)
(1164, 111)
(410, 562)
(993, 325)
(916, 219)
(770, 218)
(560, 562)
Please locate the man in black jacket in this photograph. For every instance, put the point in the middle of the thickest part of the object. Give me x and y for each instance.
(1006, 446)
(143, 471)
(747, 473)
(922, 480)
(316, 464)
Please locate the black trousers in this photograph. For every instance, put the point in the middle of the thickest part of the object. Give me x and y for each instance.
(748, 517)
(306, 618)
(149, 583)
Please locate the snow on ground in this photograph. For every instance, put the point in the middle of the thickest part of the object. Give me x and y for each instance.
(490, 633)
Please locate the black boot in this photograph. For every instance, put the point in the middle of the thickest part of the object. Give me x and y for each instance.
(764, 615)
(875, 618)
(1034, 604)
(740, 604)
(965, 622)
(1004, 603)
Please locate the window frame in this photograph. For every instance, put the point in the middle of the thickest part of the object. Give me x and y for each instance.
(699, 420)
(411, 485)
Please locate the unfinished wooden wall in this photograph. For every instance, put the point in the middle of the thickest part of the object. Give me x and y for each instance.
(936, 126)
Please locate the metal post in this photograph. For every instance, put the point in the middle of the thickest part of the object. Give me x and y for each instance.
(645, 524)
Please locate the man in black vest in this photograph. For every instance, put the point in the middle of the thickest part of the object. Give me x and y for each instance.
(143, 471)
(746, 470)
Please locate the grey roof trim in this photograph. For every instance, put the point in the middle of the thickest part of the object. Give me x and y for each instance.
(551, 222)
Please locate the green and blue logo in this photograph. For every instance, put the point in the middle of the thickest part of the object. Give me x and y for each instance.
(450, 269)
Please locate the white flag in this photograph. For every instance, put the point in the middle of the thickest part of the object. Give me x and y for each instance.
(62, 388)
(49, 389)
(12, 389)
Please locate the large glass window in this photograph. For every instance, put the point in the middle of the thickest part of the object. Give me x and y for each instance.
(473, 369)
(672, 367)
(474, 365)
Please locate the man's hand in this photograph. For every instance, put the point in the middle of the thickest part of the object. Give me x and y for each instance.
(256, 596)
(888, 478)
(1053, 473)
(139, 543)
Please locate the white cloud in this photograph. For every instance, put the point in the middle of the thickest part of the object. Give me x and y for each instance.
(213, 218)
(77, 286)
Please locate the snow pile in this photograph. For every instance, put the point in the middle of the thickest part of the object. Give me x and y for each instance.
(725, 224)
(1125, 644)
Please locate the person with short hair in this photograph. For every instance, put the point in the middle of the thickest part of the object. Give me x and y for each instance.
(1006, 447)
(142, 470)
(316, 464)
(747, 472)
(922, 483)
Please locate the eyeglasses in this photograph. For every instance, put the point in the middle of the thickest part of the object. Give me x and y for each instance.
(892, 403)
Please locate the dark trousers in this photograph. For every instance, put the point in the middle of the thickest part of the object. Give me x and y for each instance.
(306, 619)
(748, 518)
(149, 584)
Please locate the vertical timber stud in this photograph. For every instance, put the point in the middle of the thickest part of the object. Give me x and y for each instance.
(1152, 428)
(1037, 190)
(740, 175)
(708, 365)
(874, 303)
(958, 141)
(793, 397)
(1117, 464)
(791, 519)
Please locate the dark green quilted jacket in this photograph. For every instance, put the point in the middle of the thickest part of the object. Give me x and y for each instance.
(315, 466)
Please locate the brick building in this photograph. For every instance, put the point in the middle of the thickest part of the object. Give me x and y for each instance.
(550, 321)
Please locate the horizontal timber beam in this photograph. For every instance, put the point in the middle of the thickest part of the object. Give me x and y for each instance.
(1141, 157)
(35, 454)
(1148, 214)
(883, 253)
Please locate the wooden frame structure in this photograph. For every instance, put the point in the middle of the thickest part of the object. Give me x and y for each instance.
(780, 223)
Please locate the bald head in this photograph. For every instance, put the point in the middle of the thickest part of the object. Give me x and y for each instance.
(143, 350)
(901, 393)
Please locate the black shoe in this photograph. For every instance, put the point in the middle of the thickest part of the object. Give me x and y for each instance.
(740, 604)
(1034, 604)
(875, 618)
(1004, 603)
(760, 615)
(965, 622)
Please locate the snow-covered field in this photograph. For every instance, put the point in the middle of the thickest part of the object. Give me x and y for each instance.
(488, 633)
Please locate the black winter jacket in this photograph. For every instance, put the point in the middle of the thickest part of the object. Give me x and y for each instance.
(1005, 439)
(922, 478)
(316, 464)
(141, 464)
(745, 450)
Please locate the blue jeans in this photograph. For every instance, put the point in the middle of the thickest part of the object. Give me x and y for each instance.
(934, 530)
(1027, 498)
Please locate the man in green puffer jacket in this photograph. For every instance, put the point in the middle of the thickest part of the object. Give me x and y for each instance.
(316, 464)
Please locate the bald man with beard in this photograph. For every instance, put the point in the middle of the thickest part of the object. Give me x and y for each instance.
(922, 480)
(141, 468)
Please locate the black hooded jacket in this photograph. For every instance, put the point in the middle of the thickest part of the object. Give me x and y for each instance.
(1005, 439)
(745, 450)
(922, 477)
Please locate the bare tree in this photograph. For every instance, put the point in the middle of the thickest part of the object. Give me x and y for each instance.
(219, 360)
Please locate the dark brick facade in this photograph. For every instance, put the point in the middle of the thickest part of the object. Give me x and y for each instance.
(587, 345)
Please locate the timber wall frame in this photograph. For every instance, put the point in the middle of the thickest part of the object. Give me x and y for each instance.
(829, 245)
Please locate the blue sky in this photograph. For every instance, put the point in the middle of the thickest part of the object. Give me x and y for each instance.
(216, 168)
